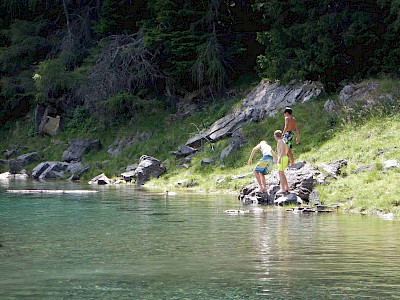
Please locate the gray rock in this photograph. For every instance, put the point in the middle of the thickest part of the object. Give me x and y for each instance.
(221, 128)
(39, 169)
(20, 162)
(237, 140)
(390, 164)
(333, 169)
(77, 176)
(220, 180)
(314, 198)
(380, 152)
(351, 93)
(287, 199)
(364, 169)
(330, 107)
(234, 177)
(129, 175)
(55, 169)
(75, 167)
(51, 125)
(120, 144)
(9, 153)
(79, 147)
(50, 170)
(101, 179)
(148, 167)
(302, 178)
(263, 101)
(115, 148)
(206, 161)
(184, 151)
(132, 167)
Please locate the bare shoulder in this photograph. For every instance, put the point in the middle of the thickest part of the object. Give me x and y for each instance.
(282, 144)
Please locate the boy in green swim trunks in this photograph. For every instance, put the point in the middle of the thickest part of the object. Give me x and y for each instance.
(283, 161)
(263, 166)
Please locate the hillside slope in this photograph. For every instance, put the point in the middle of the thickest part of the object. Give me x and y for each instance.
(364, 133)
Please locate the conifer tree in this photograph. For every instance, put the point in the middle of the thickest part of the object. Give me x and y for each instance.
(319, 40)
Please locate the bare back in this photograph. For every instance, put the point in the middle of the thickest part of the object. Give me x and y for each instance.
(290, 124)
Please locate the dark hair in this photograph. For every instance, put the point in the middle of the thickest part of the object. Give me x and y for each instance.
(288, 110)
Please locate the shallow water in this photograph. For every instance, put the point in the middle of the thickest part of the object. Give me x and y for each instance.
(129, 243)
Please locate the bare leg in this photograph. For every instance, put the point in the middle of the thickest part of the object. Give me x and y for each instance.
(259, 181)
(283, 182)
(291, 158)
(263, 183)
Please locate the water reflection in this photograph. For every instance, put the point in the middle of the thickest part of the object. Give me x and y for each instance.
(124, 242)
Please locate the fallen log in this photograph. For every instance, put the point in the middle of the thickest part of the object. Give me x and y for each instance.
(34, 191)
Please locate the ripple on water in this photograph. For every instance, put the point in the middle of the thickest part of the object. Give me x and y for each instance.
(124, 243)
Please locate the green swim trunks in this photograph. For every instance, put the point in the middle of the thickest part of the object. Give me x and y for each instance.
(284, 163)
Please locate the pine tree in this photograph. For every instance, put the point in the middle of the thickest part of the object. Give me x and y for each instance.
(320, 40)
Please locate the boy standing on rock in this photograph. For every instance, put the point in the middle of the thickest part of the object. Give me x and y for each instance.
(288, 132)
(283, 161)
(263, 166)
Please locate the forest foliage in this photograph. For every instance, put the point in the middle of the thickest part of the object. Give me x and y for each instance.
(111, 56)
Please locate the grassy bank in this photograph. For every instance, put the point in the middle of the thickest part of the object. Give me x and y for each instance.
(364, 136)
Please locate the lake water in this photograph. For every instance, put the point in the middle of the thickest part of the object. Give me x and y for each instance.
(129, 243)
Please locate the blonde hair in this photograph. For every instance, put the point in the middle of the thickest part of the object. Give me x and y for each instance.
(278, 133)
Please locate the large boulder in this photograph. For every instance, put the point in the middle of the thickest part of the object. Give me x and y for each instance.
(265, 100)
(356, 92)
(20, 162)
(79, 147)
(50, 170)
(52, 125)
(47, 119)
(56, 169)
(221, 128)
(148, 167)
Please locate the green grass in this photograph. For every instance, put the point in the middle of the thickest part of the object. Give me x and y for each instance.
(360, 145)
(361, 135)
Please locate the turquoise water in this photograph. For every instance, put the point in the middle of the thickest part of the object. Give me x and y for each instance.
(129, 243)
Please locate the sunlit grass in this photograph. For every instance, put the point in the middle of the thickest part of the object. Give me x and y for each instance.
(370, 144)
